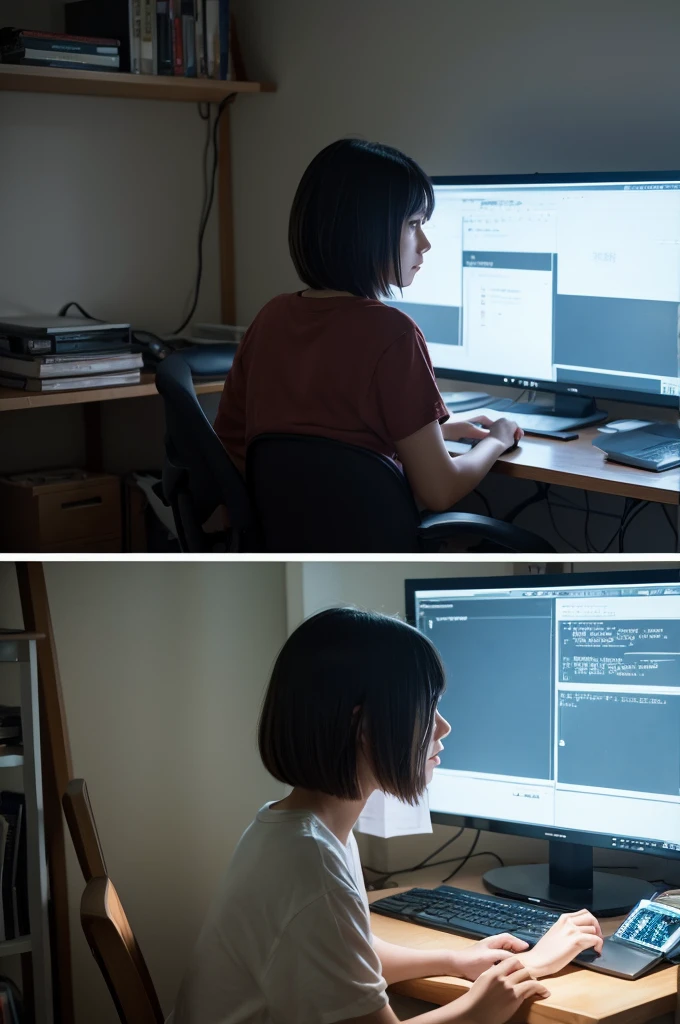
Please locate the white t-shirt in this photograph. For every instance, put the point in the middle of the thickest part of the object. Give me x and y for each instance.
(288, 939)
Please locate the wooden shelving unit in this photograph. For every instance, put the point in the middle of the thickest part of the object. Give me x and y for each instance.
(12, 399)
(21, 78)
(20, 648)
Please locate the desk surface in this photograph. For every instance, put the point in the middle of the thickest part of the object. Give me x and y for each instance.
(579, 464)
(577, 996)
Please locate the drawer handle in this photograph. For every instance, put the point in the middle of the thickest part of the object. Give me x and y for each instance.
(83, 503)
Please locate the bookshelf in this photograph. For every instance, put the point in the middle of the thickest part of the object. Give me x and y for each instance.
(20, 649)
(119, 85)
(22, 78)
(12, 399)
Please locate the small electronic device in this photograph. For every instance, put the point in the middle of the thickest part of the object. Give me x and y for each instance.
(655, 447)
(650, 934)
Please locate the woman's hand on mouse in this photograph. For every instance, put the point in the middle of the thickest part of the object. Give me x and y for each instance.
(475, 429)
(506, 431)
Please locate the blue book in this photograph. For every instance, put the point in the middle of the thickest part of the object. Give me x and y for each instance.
(224, 39)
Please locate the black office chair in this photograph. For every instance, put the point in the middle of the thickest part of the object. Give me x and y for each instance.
(198, 475)
(311, 494)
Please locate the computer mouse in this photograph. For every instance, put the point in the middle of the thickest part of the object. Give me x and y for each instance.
(472, 441)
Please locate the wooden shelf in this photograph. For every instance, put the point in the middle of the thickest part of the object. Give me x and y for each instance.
(12, 399)
(12, 760)
(23, 78)
(11, 947)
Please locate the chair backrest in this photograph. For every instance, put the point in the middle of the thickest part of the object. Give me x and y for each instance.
(81, 825)
(198, 475)
(313, 494)
(115, 949)
(105, 924)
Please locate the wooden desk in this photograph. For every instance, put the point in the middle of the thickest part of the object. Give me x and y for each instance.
(577, 996)
(579, 464)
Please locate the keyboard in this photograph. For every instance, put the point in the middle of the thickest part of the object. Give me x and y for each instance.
(657, 456)
(468, 913)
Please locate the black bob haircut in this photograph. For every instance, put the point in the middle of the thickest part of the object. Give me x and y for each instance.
(347, 216)
(334, 662)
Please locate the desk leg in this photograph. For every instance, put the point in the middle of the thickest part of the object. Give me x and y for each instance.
(94, 454)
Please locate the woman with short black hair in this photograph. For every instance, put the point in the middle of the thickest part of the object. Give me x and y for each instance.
(334, 360)
(351, 708)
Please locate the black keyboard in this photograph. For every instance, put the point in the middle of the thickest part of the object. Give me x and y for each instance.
(468, 913)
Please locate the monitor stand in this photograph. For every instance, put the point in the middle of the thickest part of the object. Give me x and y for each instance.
(565, 412)
(568, 882)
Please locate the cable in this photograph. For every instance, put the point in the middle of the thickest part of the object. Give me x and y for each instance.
(465, 859)
(671, 524)
(207, 204)
(416, 867)
(641, 505)
(485, 502)
(64, 310)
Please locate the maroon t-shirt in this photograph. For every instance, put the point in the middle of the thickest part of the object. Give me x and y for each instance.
(350, 369)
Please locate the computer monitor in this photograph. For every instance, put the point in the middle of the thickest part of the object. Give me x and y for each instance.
(563, 283)
(563, 695)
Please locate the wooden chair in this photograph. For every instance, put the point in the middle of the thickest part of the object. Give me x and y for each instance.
(104, 921)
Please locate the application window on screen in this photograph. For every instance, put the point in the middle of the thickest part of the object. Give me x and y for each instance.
(566, 283)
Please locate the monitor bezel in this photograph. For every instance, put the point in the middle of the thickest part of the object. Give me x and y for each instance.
(539, 582)
(576, 389)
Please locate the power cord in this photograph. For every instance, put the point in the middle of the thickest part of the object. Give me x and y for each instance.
(466, 858)
(378, 883)
(208, 195)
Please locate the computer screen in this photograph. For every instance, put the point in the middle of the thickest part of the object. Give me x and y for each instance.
(563, 697)
(562, 283)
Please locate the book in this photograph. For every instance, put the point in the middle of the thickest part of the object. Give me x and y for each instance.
(201, 51)
(101, 380)
(188, 10)
(212, 37)
(66, 344)
(53, 42)
(224, 39)
(68, 63)
(38, 325)
(175, 12)
(68, 365)
(147, 57)
(135, 9)
(163, 38)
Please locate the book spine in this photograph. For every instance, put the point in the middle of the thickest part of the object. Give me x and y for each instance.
(66, 37)
(146, 56)
(71, 46)
(224, 39)
(68, 64)
(201, 55)
(51, 58)
(189, 37)
(163, 38)
(7, 871)
(135, 36)
(212, 37)
(177, 49)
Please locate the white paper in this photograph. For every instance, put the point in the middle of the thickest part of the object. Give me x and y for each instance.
(386, 816)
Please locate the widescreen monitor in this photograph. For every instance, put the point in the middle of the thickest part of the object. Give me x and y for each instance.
(561, 283)
(563, 697)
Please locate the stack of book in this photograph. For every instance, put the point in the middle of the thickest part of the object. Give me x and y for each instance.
(194, 38)
(53, 50)
(65, 353)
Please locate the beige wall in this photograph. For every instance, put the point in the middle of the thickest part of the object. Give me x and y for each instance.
(464, 86)
(163, 668)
